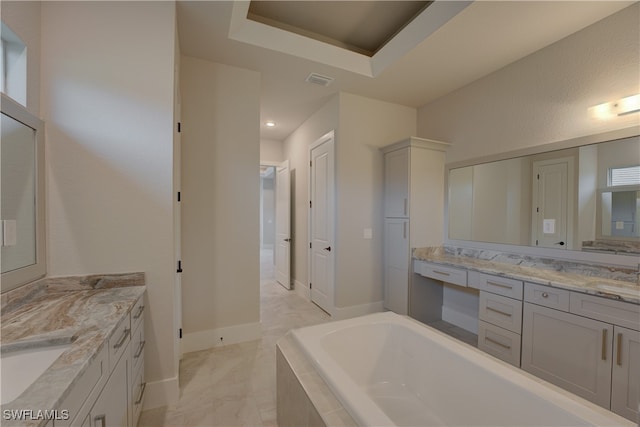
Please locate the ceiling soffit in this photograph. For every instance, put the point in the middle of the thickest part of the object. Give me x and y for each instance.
(336, 52)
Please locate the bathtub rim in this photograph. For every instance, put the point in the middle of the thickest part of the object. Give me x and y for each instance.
(347, 392)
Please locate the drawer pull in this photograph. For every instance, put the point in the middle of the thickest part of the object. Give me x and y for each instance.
(604, 344)
(508, 347)
(500, 285)
(123, 338)
(139, 313)
(499, 311)
(139, 352)
(545, 295)
(139, 401)
(406, 203)
(102, 418)
(444, 273)
(619, 355)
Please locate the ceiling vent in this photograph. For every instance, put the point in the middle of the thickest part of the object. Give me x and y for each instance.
(318, 79)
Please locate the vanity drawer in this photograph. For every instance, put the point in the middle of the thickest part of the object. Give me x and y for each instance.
(137, 395)
(607, 310)
(498, 342)
(547, 296)
(137, 346)
(137, 313)
(119, 340)
(496, 284)
(86, 390)
(452, 275)
(501, 311)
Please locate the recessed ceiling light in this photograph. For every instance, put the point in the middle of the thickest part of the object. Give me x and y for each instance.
(270, 124)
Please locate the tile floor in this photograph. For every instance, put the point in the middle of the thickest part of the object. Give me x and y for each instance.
(235, 385)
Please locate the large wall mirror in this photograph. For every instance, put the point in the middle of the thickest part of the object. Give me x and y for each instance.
(22, 232)
(581, 198)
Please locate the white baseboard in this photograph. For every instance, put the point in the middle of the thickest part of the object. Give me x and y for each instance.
(340, 313)
(302, 290)
(462, 320)
(203, 340)
(161, 393)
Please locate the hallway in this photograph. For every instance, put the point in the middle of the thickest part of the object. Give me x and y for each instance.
(235, 385)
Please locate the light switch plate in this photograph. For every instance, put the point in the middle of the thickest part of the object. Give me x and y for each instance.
(368, 233)
(549, 226)
(9, 232)
(619, 225)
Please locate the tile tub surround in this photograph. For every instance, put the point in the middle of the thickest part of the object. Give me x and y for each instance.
(600, 280)
(303, 398)
(84, 310)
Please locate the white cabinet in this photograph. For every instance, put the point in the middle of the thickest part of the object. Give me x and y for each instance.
(586, 344)
(625, 385)
(112, 407)
(413, 210)
(570, 351)
(111, 391)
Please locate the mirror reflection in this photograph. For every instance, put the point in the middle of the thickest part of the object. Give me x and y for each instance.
(18, 154)
(565, 199)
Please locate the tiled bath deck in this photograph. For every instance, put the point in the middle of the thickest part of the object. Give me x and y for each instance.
(235, 385)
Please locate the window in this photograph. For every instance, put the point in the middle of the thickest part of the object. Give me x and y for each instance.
(13, 61)
(629, 175)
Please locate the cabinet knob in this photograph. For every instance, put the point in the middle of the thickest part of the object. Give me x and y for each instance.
(545, 295)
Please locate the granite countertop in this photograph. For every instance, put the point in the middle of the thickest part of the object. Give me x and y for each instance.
(83, 311)
(604, 281)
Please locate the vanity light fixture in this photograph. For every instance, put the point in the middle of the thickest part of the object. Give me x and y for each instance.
(621, 107)
(270, 124)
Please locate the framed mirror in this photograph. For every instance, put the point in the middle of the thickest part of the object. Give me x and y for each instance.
(565, 199)
(22, 226)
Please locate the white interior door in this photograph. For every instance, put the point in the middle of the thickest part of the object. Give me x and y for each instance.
(552, 203)
(321, 222)
(283, 225)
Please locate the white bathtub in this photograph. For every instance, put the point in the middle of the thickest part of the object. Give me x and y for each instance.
(388, 369)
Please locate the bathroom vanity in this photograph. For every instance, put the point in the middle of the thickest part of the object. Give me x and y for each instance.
(98, 377)
(579, 332)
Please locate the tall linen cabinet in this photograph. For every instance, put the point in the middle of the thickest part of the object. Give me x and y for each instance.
(413, 210)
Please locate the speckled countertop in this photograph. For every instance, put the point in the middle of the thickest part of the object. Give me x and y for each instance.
(82, 310)
(604, 281)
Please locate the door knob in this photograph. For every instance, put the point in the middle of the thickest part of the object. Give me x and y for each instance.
(560, 243)
(328, 248)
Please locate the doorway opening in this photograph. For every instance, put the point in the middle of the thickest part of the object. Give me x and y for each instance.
(267, 223)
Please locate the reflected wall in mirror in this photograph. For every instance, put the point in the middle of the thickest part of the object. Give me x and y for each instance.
(18, 153)
(562, 199)
(22, 233)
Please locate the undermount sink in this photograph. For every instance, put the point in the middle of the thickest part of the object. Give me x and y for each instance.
(19, 369)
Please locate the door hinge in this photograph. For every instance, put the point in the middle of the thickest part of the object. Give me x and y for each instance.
(179, 270)
(536, 243)
(310, 163)
(538, 176)
(178, 196)
(179, 127)
(538, 209)
(309, 204)
(310, 285)
(309, 245)
(180, 333)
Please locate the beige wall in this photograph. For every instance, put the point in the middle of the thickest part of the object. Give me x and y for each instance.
(23, 17)
(107, 101)
(220, 207)
(362, 125)
(296, 149)
(365, 126)
(271, 151)
(543, 97)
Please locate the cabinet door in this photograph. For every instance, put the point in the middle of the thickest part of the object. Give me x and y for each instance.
(569, 351)
(396, 183)
(625, 390)
(396, 265)
(112, 406)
